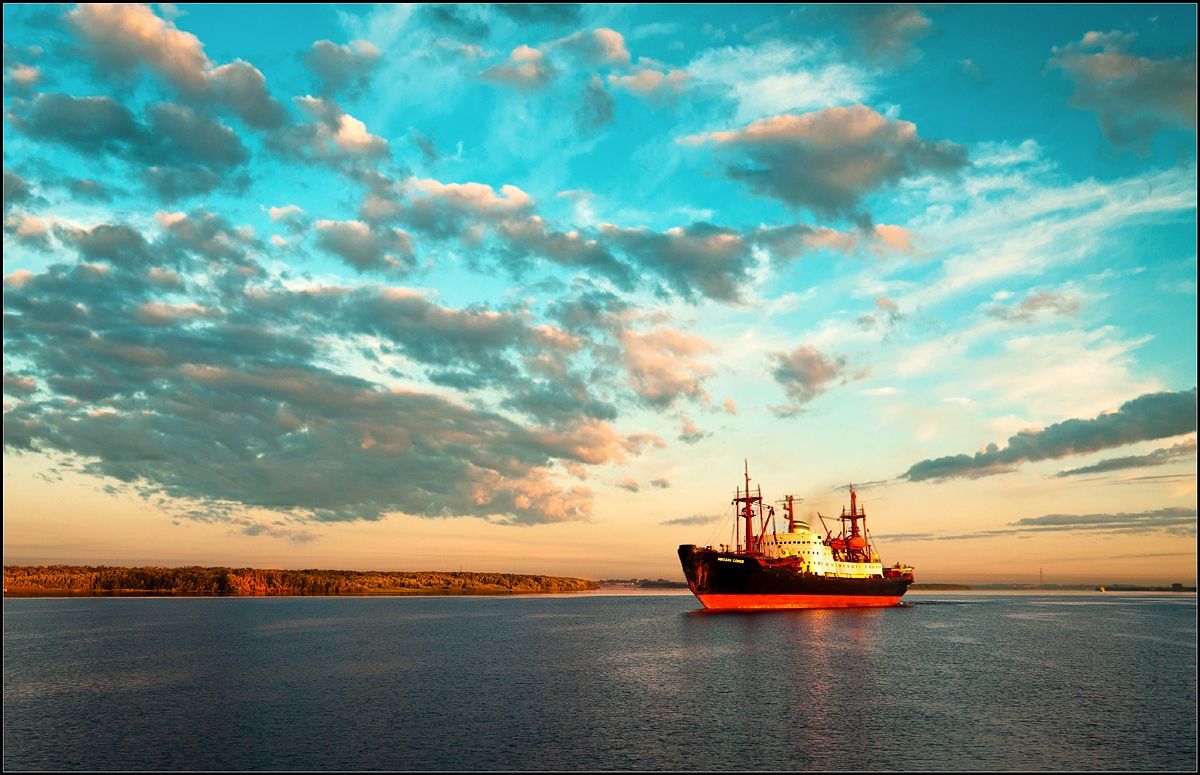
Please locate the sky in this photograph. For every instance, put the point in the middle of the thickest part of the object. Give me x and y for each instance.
(522, 288)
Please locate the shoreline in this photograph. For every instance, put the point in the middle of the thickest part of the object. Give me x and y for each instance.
(224, 581)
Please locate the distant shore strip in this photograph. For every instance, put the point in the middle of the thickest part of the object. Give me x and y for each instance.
(56, 580)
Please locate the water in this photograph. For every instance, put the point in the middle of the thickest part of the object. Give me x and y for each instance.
(948, 682)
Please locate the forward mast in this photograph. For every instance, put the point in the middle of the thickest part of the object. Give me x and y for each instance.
(752, 508)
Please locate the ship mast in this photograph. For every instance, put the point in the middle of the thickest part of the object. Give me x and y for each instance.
(747, 511)
(789, 508)
(856, 543)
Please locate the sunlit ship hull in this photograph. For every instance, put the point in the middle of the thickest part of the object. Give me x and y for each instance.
(725, 581)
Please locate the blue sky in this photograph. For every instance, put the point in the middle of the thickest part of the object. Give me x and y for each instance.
(519, 287)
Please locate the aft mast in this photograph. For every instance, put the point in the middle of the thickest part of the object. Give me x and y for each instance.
(856, 545)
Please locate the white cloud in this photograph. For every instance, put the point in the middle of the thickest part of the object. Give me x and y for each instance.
(1040, 226)
(775, 78)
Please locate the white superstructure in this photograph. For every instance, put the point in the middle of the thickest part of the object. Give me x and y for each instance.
(815, 555)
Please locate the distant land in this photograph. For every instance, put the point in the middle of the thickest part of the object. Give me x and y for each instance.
(1136, 588)
(45, 580)
(642, 584)
(937, 587)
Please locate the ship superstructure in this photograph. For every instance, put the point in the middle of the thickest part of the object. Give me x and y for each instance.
(796, 568)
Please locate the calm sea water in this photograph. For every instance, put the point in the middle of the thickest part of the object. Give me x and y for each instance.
(947, 682)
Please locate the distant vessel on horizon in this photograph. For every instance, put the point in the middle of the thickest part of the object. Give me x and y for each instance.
(794, 569)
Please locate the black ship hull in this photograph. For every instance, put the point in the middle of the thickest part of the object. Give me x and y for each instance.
(729, 581)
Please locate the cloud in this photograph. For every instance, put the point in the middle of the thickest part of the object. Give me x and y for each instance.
(345, 67)
(690, 433)
(592, 442)
(333, 136)
(887, 314)
(697, 260)
(694, 261)
(194, 137)
(456, 210)
(1159, 519)
(698, 519)
(19, 385)
(291, 217)
(123, 36)
(887, 32)
(184, 152)
(243, 88)
(541, 13)
(601, 46)
(87, 124)
(29, 230)
(805, 372)
(467, 347)
(1134, 97)
(118, 244)
(532, 236)
(663, 365)
(791, 241)
(312, 445)
(221, 400)
(1151, 416)
(1156, 458)
(596, 106)
(170, 184)
(426, 145)
(16, 190)
(654, 84)
(208, 236)
(971, 70)
(1173, 520)
(460, 21)
(1035, 303)
(22, 78)
(88, 190)
(774, 78)
(829, 160)
(366, 248)
(120, 37)
(566, 398)
(528, 69)
(156, 313)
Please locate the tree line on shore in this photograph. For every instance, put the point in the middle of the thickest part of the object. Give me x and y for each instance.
(198, 580)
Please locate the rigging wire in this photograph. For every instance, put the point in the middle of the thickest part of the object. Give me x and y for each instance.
(716, 524)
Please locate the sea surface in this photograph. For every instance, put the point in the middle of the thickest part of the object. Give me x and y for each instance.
(611, 682)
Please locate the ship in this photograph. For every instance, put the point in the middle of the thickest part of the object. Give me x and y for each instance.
(766, 569)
